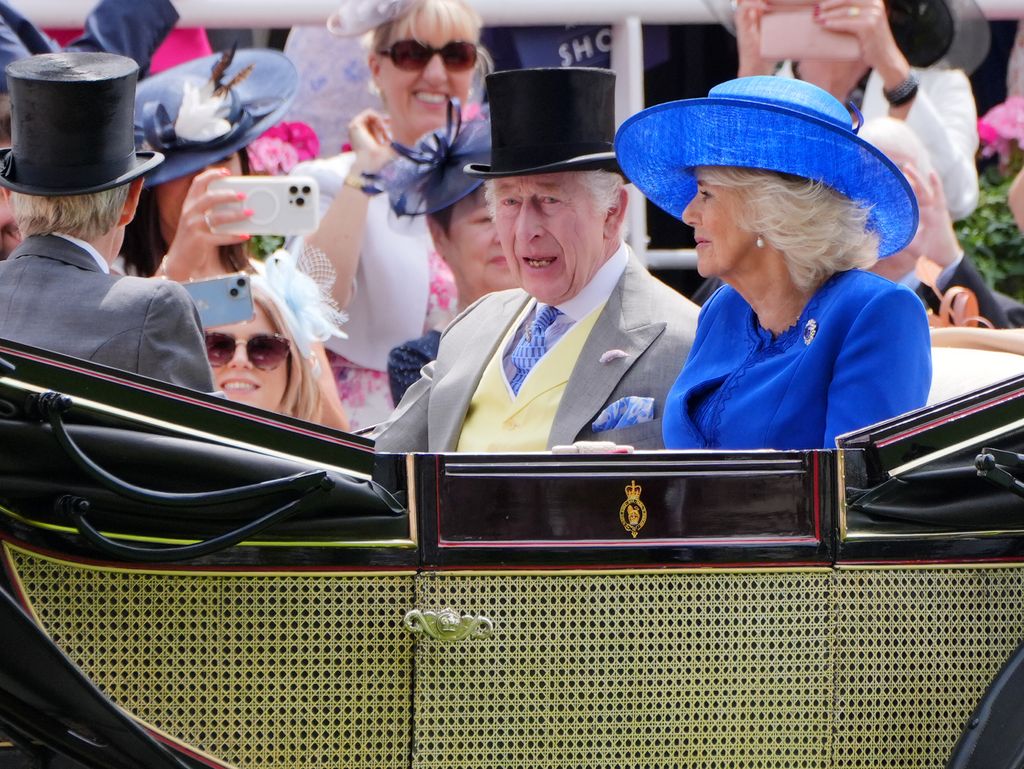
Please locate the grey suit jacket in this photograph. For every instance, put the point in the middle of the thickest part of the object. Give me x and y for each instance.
(644, 318)
(54, 296)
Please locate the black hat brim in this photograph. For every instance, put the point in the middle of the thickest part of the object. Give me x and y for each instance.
(599, 161)
(145, 161)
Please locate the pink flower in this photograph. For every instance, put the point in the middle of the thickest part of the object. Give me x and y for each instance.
(282, 147)
(1008, 118)
(270, 155)
(986, 132)
(1002, 127)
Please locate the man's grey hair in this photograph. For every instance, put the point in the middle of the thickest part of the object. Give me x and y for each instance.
(81, 216)
(602, 186)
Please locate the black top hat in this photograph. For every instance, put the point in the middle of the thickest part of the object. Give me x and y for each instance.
(546, 120)
(71, 125)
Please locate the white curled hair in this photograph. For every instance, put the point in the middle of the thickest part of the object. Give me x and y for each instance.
(603, 188)
(818, 230)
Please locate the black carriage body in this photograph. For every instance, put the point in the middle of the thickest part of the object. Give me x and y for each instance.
(841, 608)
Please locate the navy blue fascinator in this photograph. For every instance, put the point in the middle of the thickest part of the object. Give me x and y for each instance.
(205, 110)
(429, 177)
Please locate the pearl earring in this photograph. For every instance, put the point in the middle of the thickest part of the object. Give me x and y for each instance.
(759, 242)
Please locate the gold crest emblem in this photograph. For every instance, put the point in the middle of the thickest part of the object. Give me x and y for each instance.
(633, 514)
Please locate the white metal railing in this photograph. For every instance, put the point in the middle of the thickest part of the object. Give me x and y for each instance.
(625, 17)
(274, 13)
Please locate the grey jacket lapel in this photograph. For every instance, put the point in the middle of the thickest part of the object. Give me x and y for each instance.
(625, 324)
(454, 390)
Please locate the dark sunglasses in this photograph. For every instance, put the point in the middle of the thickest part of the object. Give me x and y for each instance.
(265, 351)
(458, 56)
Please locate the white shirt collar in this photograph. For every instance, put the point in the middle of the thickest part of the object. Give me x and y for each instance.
(88, 248)
(600, 287)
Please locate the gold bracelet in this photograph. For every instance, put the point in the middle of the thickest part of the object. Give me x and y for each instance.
(355, 181)
(361, 182)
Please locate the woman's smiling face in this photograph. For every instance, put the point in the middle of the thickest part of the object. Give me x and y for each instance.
(417, 100)
(239, 379)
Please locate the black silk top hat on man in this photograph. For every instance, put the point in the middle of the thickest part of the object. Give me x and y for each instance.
(547, 120)
(72, 127)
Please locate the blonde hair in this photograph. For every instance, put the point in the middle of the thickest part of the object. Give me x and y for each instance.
(81, 216)
(301, 397)
(456, 18)
(818, 230)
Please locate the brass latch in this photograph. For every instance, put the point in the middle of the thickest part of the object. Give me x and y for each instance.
(448, 625)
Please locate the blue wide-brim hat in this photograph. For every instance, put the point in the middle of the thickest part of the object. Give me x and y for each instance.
(257, 103)
(769, 123)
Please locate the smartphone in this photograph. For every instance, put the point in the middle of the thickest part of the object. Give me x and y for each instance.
(222, 301)
(789, 32)
(281, 205)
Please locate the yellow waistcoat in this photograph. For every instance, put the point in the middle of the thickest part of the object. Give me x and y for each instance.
(496, 422)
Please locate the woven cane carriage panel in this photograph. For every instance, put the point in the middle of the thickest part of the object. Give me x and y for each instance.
(639, 670)
(281, 672)
(915, 650)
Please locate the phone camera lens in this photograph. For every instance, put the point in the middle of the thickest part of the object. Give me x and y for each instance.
(300, 201)
(241, 282)
(306, 189)
(293, 190)
(233, 292)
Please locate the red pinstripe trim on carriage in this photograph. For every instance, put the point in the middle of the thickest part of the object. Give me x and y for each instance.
(188, 399)
(947, 419)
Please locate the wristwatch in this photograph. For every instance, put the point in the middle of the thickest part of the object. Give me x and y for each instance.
(903, 92)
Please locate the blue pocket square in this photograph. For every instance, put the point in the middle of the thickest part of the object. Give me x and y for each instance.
(625, 412)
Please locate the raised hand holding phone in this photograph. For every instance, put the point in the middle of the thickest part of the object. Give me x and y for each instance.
(194, 243)
(272, 205)
(792, 30)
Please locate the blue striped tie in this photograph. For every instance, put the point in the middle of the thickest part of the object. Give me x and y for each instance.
(531, 346)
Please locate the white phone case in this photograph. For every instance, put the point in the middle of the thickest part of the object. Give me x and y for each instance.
(281, 205)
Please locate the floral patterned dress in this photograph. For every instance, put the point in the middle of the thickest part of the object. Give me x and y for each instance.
(366, 393)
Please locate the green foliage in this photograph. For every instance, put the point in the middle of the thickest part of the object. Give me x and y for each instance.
(990, 237)
(262, 246)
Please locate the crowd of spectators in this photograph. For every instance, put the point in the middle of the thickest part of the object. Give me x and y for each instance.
(473, 213)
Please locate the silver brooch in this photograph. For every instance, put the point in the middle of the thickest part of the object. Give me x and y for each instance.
(810, 329)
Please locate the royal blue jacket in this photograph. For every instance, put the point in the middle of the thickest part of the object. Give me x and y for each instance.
(859, 353)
